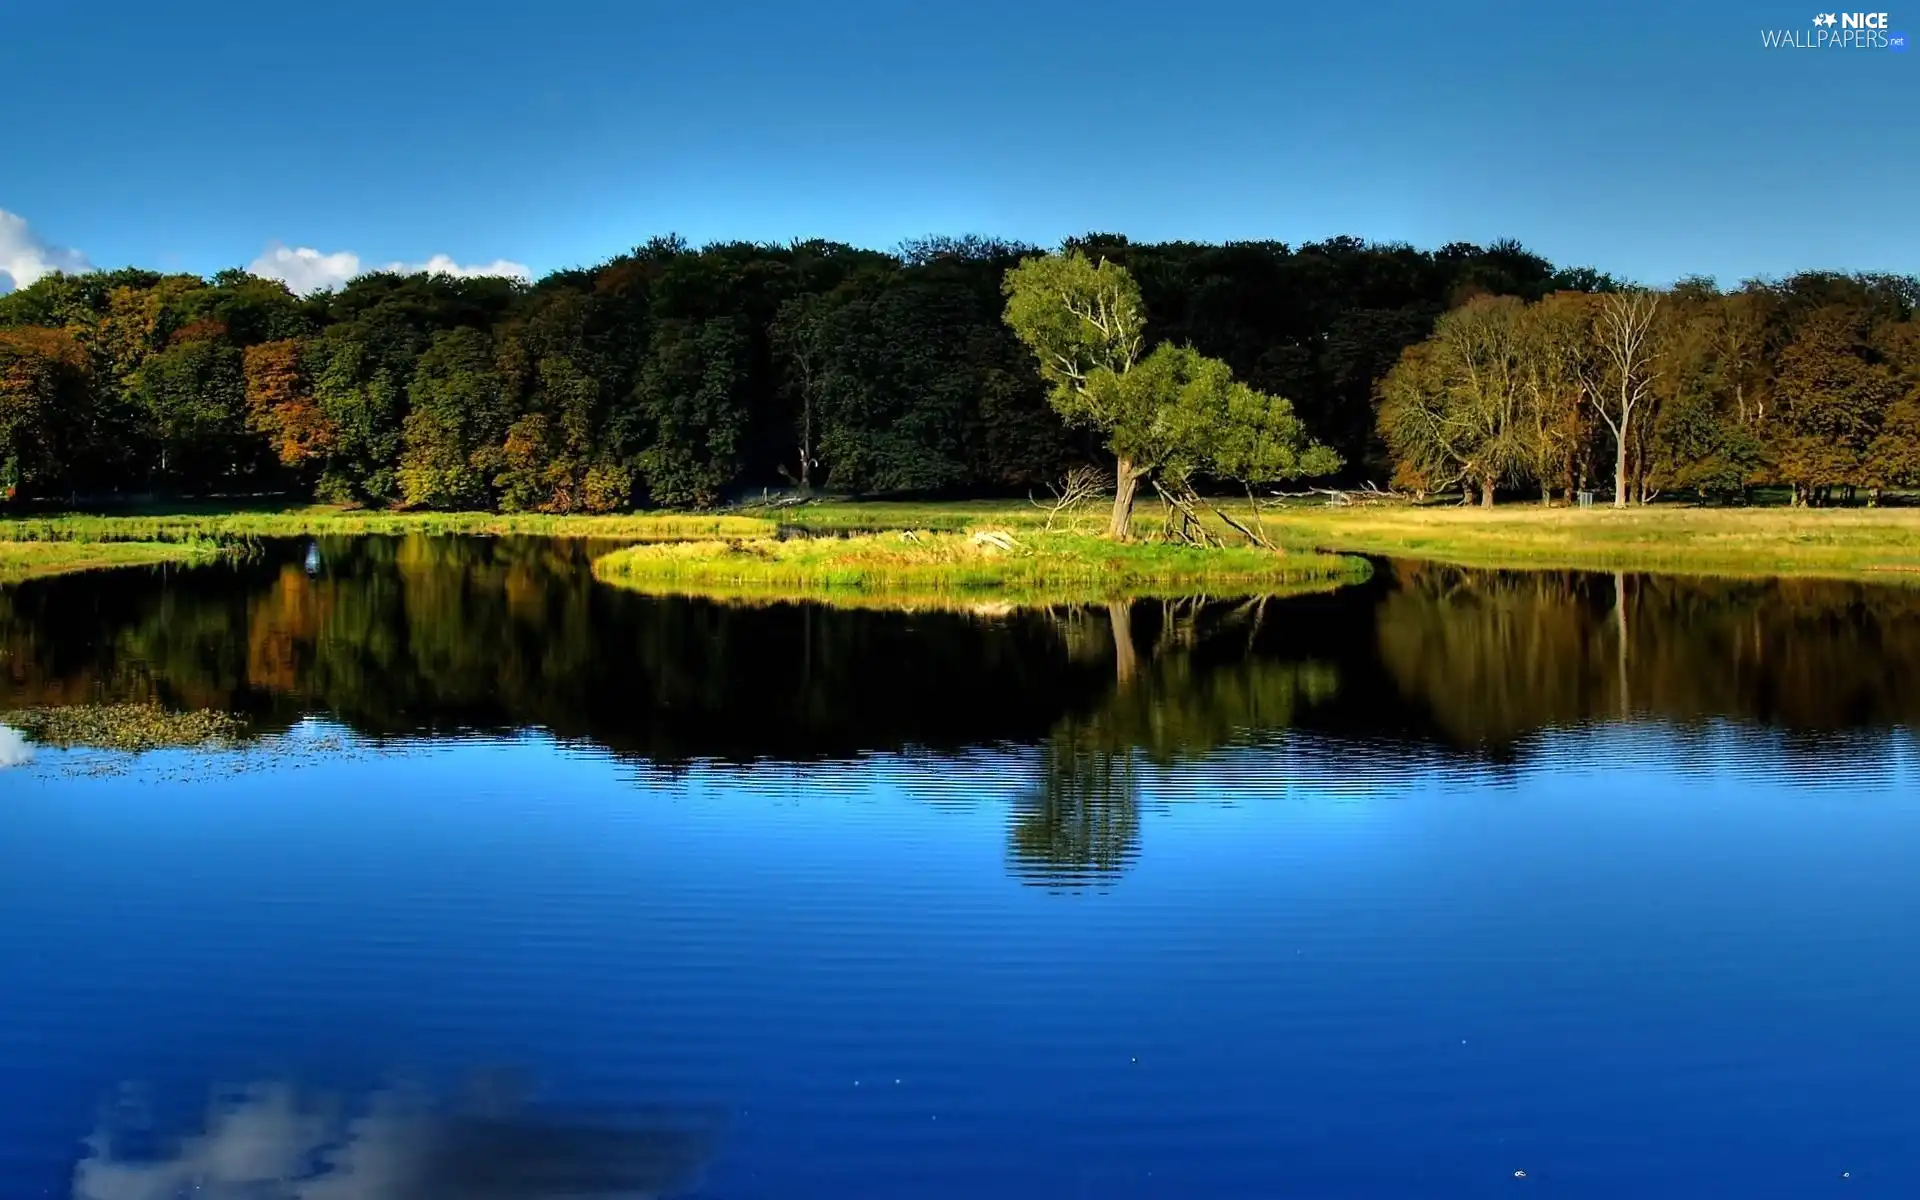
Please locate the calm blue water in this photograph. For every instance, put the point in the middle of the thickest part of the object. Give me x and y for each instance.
(1653, 954)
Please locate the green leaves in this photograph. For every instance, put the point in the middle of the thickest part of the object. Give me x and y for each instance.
(1080, 318)
(689, 391)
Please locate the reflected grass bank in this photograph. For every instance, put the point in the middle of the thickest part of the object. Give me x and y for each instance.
(914, 569)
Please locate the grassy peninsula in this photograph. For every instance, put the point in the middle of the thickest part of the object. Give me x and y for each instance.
(923, 568)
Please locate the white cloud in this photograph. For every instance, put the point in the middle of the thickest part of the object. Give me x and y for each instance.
(304, 269)
(440, 264)
(25, 258)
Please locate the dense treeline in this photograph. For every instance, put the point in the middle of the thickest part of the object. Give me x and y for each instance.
(672, 375)
(1812, 383)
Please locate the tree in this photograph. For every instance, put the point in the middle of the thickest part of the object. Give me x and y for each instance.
(689, 395)
(191, 398)
(457, 417)
(1556, 343)
(1626, 337)
(281, 404)
(1832, 392)
(1176, 410)
(1455, 409)
(45, 394)
(800, 335)
(1085, 323)
(1893, 458)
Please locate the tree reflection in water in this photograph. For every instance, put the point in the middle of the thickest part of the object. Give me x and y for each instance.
(417, 636)
(1198, 684)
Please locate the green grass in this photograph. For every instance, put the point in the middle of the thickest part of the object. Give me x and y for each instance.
(951, 570)
(31, 560)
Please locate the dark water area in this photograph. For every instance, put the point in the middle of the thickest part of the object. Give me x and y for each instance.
(1398, 890)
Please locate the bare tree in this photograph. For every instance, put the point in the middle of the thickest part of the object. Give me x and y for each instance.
(1624, 331)
(1082, 484)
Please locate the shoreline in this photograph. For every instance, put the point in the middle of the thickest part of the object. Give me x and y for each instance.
(1860, 544)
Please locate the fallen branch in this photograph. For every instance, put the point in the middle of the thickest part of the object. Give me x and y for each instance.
(1368, 493)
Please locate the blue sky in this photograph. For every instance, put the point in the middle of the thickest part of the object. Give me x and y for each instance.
(1650, 139)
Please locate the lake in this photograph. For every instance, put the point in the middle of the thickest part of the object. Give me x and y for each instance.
(1454, 883)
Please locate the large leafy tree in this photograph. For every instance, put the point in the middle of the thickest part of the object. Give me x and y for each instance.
(1174, 410)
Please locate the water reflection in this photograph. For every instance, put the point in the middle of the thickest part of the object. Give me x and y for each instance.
(271, 1141)
(1080, 823)
(1494, 657)
(419, 635)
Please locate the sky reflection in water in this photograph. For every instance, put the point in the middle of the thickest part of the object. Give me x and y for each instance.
(1386, 893)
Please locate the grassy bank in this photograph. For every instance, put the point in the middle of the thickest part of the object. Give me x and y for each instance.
(914, 569)
(1881, 544)
(1853, 543)
(29, 560)
(31, 547)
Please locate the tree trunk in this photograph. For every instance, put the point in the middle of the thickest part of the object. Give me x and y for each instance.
(1126, 484)
(1486, 493)
(1546, 496)
(1620, 469)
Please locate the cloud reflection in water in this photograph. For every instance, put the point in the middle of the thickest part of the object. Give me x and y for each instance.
(273, 1142)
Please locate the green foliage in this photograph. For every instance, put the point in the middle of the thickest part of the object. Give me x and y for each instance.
(191, 398)
(1205, 422)
(689, 394)
(1085, 323)
(457, 417)
(913, 371)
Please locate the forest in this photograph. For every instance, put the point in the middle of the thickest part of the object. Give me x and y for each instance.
(685, 377)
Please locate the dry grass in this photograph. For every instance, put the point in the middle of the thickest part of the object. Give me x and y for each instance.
(1837, 543)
